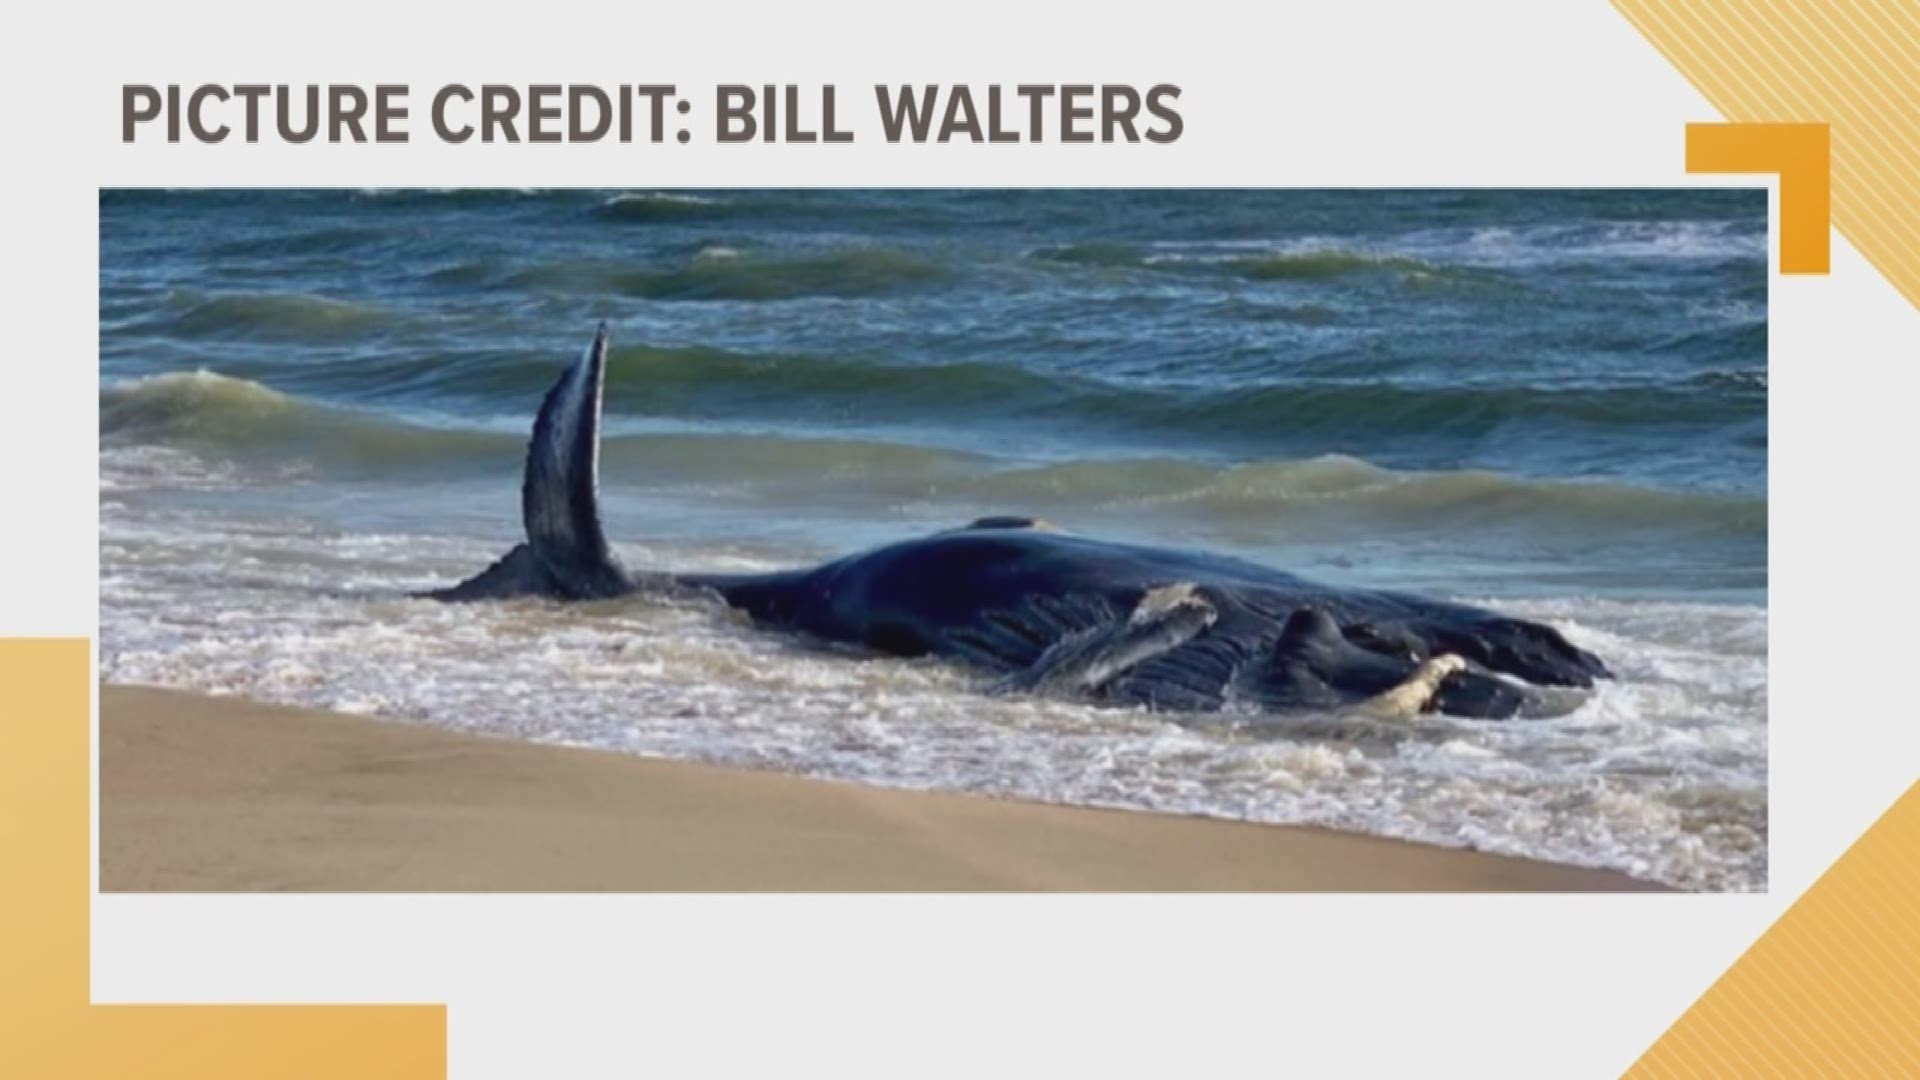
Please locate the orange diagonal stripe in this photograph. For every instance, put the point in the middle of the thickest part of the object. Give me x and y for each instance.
(1850, 64)
(47, 1025)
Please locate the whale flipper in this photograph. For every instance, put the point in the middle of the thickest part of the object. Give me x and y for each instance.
(1314, 665)
(1387, 672)
(559, 495)
(1164, 619)
(566, 555)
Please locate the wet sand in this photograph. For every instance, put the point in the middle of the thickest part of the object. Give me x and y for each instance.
(208, 794)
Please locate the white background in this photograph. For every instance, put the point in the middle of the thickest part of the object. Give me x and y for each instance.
(1355, 94)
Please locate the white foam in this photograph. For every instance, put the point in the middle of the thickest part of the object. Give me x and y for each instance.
(676, 197)
(1662, 773)
(1495, 248)
(1548, 245)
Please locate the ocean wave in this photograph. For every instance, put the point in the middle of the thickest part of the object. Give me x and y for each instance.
(698, 382)
(267, 317)
(1449, 254)
(894, 209)
(720, 273)
(244, 421)
(1727, 343)
(477, 198)
(240, 419)
(326, 239)
(1577, 242)
(1308, 261)
(1094, 253)
(1330, 263)
(646, 378)
(695, 380)
(180, 400)
(647, 206)
(1744, 379)
(1353, 490)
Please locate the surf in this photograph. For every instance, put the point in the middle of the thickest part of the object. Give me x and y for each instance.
(240, 420)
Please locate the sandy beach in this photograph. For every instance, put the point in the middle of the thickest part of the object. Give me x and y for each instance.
(220, 794)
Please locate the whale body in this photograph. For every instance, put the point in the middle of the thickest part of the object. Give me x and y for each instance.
(1054, 613)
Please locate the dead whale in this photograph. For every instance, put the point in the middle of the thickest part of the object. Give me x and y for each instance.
(1053, 613)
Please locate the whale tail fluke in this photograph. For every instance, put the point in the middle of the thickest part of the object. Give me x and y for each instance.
(566, 554)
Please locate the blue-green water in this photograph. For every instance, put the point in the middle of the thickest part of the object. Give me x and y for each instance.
(1553, 399)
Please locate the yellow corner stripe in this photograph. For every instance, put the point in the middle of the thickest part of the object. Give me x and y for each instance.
(1853, 64)
(48, 1028)
(1832, 989)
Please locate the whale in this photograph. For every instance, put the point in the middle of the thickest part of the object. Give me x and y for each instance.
(1043, 611)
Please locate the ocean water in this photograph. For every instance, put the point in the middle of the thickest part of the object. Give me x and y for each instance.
(1552, 402)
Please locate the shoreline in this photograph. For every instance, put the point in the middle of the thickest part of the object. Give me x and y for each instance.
(201, 793)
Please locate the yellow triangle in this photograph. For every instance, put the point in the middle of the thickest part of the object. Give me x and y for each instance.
(1832, 988)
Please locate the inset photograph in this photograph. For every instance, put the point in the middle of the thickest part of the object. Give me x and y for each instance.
(922, 540)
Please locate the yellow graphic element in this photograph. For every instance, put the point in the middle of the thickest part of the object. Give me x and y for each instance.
(1799, 153)
(1832, 989)
(1853, 64)
(48, 1027)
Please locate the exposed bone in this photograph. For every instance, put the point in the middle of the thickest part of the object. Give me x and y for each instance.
(1410, 698)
